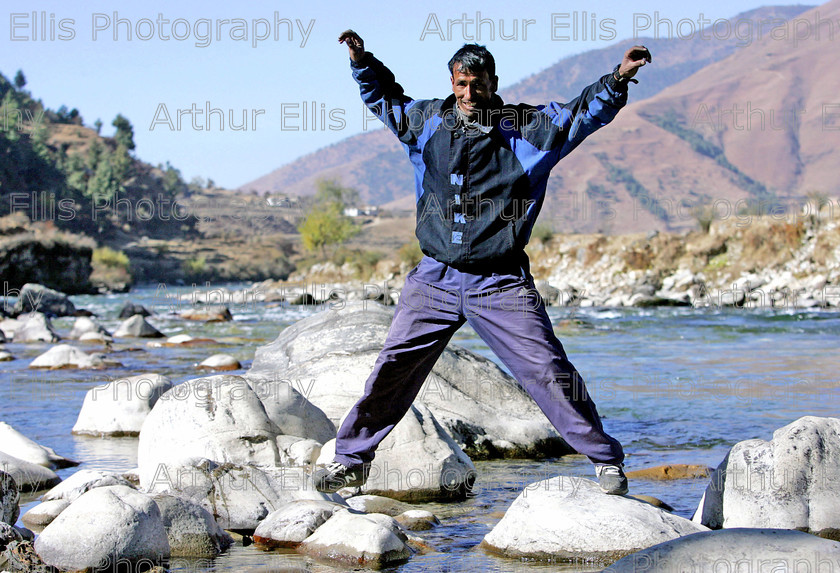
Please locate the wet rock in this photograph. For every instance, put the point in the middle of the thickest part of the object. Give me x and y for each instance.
(789, 482)
(137, 327)
(9, 499)
(38, 298)
(129, 309)
(120, 407)
(213, 313)
(104, 526)
(734, 550)
(192, 530)
(567, 518)
(44, 513)
(332, 353)
(220, 362)
(362, 540)
(378, 504)
(671, 472)
(28, 476)
(417, 461)
(294, 522)
(239, 496)
(16, 444)
(20, 557)
(67, 356)
(182, 340)
(86, 325)
(35, 327)
(96, 337)
(418, 520)
(83, 481)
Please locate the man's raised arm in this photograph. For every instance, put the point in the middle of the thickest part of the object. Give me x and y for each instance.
(379, 89)
(596, 106)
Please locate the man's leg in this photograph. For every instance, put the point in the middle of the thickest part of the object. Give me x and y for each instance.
(514, 324)
(425, 319)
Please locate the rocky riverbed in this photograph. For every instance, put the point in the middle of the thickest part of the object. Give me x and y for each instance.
(231, 451)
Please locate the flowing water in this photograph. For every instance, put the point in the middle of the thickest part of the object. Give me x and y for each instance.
(673, 385)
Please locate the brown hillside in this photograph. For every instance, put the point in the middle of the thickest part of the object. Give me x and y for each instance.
(661, 158)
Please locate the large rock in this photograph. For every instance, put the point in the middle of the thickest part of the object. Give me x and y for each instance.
(35, 327)
(294, 522)
(86, 325)
(293, 414)
(329, 356)
(416, 462)
(129, 309)
(567, 518)
(192, 531)
(38, 298)
(737, 550)
(238, 496)
(16, 444)
(137, 327)
(28, 476)
(789, 482)
(9, 499)
(362, 540)
(67, 356)
(105, 526)
(120, 407)
(82, 482)
(219, 418)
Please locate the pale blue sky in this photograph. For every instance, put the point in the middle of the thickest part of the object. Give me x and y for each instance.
(79, 64)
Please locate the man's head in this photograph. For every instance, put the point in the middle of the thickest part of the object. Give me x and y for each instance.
(473, 73)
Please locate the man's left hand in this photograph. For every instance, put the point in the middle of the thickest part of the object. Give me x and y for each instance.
(634, 58)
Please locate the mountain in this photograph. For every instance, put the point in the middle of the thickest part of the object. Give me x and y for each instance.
(692, 135)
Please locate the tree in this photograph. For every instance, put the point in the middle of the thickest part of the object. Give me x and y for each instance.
(331, 191)
(98, 125)
(20, 80)
(326, 225)
(125, 132)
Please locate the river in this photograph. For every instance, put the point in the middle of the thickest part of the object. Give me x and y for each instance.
(674, 385)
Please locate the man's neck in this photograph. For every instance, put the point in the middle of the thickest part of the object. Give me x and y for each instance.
(472, 123)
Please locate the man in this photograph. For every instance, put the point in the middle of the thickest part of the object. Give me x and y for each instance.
(481, 169)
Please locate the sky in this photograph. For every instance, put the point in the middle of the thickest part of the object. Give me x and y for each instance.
(272, 75)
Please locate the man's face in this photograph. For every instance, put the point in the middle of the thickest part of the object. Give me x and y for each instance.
(473, 92)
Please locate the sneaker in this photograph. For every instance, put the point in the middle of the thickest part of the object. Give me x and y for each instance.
(336, 475)
(611, 478)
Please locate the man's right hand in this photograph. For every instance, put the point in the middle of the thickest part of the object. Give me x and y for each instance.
(354, 43)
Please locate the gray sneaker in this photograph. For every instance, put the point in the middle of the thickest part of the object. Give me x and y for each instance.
(611, 478)
(336, 475)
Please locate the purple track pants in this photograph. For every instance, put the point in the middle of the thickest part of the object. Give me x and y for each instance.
(507, 313)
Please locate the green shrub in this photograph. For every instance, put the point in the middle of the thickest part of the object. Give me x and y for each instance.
(109, 257)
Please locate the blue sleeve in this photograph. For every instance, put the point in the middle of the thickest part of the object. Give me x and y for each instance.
(384, 97)
(559, 128)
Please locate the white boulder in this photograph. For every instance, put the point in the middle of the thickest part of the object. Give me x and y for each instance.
(105, 526)
(789, 482)
(567, 518)
(16, 444)
(363, 540)
(120, 407)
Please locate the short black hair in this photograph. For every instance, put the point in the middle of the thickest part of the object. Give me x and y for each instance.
(475, 59)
